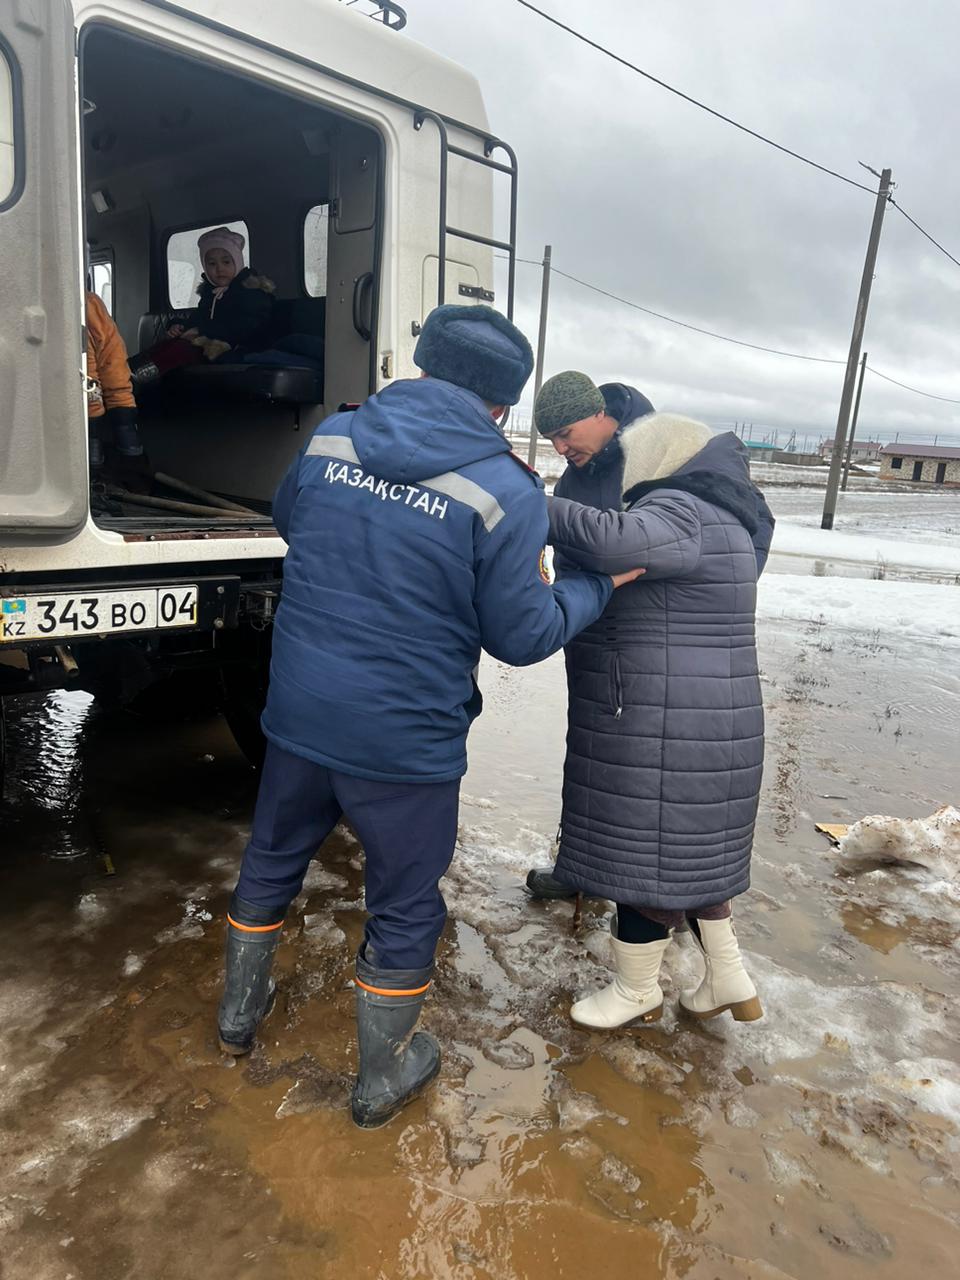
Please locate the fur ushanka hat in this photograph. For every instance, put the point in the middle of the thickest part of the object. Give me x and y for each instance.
(477, 348)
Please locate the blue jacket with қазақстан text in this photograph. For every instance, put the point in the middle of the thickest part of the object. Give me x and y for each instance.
(415, 540)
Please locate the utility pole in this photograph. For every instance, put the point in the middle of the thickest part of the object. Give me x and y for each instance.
(541, 348)
(853, 423)
(856, 341)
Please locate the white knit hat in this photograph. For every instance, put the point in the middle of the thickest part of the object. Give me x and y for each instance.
(231, 242)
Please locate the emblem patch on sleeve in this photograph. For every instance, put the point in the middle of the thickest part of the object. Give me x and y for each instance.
(544, 571)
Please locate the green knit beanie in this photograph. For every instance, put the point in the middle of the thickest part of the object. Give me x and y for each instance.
(566, 397)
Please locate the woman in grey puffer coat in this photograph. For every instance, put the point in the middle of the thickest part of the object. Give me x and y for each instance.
(665, 741)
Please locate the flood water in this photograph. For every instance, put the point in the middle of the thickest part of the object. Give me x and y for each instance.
(821, 1141)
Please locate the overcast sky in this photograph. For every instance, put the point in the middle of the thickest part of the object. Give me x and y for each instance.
(650, 198)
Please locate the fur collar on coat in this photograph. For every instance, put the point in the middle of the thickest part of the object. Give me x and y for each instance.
(682, 454)
(659, 445)
(246, 279)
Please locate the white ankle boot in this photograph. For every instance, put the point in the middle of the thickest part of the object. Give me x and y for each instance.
(726, 984)
(634, 995)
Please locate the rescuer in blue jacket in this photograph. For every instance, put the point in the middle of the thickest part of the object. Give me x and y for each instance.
(416, 539)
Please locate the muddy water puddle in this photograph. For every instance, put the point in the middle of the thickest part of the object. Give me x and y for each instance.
(820, 1141)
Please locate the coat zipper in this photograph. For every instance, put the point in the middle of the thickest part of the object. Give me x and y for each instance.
(617, 686)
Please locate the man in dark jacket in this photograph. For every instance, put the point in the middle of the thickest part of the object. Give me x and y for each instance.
(590, 441)
(416, 540)
(585, 423)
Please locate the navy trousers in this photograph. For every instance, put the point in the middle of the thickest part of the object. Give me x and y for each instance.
(408, 833)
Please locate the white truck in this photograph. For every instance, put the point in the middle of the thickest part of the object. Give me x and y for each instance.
(360, 169)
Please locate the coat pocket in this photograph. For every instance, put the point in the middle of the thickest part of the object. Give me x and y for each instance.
(616, 685)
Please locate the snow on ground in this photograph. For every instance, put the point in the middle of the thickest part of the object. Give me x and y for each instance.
(786, 473)
(910, 515)
(932, 842)
(919, 609)
(882, 1039)
(838, 545)
(863, 476)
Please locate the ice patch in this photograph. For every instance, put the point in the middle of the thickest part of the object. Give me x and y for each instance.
(478, 802)
(853, 1032)
(834, 544)
(90, 909)
(81, 1121)
(322, 931)
(576, 1110)
(923, 610)
(195, 916)
(162, 1173)
(867, 1037)
(96, 1131)
(132, 965)
(617, 1172)
(791, 1171)
(319, 878)
(24, 1050)
(933, 1082)
(642, 1066)
(932, 842)
(739, 1115)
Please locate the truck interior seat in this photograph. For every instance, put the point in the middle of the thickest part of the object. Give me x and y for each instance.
(287, 370)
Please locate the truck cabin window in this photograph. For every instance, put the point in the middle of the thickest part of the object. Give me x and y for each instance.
(316, 226)
(8, 165)
(101, 281)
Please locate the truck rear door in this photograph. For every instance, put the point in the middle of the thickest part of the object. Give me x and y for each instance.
(43, 451)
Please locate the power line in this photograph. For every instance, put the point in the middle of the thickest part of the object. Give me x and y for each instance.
(684, 324)
(593, 44)
(916, 390)
(916, 224)
(739, 342)
(723, 337)
(578, 35)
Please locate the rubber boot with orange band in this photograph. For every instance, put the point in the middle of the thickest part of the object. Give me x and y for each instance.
(253, 934)
(394, 1065)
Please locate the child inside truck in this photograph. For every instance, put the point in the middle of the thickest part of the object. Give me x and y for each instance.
(233, 314)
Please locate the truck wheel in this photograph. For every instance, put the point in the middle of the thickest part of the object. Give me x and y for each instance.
(244, 677)
(122, 680)
(179, 696)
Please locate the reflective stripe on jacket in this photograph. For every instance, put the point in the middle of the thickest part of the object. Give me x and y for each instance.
(416, 540)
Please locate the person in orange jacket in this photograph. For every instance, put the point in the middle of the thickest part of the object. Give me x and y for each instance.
(110, 392)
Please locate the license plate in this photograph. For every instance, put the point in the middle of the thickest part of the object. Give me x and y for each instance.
(96, 613)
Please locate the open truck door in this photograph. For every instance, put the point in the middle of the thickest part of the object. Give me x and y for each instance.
(43, 450)
(352, 264)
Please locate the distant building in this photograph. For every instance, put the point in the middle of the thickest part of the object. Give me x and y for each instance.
(863, 450)
(761, 450)
(933, 463)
